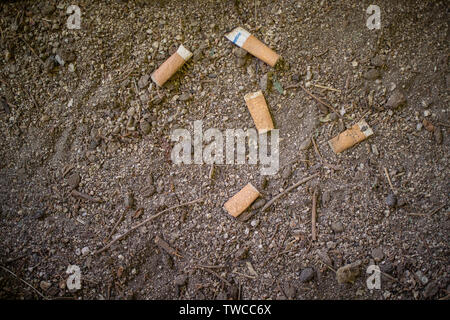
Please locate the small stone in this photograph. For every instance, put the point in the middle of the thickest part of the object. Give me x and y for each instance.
(39, 214)
(180, 280)
(348, 273)
(149, 191)
(74, 180)
(431, 290)
(85, 251)
(45, 285)
(428, 125)
(377, 254)
(438, 136)
(258, 204)
(296, 77)
(378, 60)
(143, 81)
(241, 62)
(185, 97)
(48, 9)
(325, 258)
(129, 200)
(254, 223)
(239, 52)
(396, 100)
(372, 74)
(337, 226)
(331, 245)
(242, 253)
(264, 83)
(391, 200)
(290, 291)
(386, 267)
(422, 277)
(426, 113)
(308, 74)
(131, 111)
(145, 126)
(326, 197)
(306, 274)
(306, 144)
(287, 171)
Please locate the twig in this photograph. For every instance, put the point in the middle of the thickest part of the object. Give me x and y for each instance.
(213, 273)
(17, 277)
(327, 88)
(84, 196)
(244, 275)
(389, 180)
(116, 225)
(268, 204)
(313, 215)
(144, 222)
(316, 149)
(166, 247)
(436, 210)
(321, 101)
(31, 48)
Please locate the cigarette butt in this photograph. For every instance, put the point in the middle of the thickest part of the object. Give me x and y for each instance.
(171, 65)
(251, 44)
(359, 132)
(241, 200)
(259, 111)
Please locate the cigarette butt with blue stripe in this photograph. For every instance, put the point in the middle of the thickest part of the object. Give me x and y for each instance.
(171, 65)
(251, 44)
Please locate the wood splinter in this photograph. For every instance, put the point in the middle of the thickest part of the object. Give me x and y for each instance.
(314, 214)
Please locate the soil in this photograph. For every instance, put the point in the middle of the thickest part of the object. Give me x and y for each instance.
(99, 126)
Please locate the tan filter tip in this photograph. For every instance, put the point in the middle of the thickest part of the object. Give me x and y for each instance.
(259, 111)
(347, 139)
(241, 200)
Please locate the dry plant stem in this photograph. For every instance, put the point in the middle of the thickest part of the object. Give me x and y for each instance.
(313, 215)
(321, 101)
(29, 285)
(389, 180)
(268, 204)
(214, 273)
(144, 222)
(116, 225)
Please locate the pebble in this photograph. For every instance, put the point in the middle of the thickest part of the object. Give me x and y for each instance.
(45, 285)
(386, 267)
(242, 253)
(180, 280)
(377, 254)
(145, 126)
(337, 226)
(185, 97)
(74, 180)
(326, 197)
(378, 60)
(85, 251)
(306, 144)
(287, 171)
(48, 9)
(422, 277)
(308, 74)
(306, 274)
(396, 99)
(391, 200)
(239, 52)
(290, 291)
(438, 135)
(258, 204)
(325, 258)
(348, 273)
(431, 289)
(372, 74)
(241, 62)
(296, 77)
(143, 81)
(131, 111)
(129, 200)
(39, 215)
(264, 83)
(426, 113)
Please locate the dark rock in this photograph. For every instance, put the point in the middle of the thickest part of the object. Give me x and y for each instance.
(396, 99)
(391, 200)
(431, 289)
(438, 135)
(386, 267)
(377, 254)
(39, 214)
(306, 275)
(296, 77)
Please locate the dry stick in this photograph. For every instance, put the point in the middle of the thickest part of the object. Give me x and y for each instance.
(116, 225)
(214, 273)
(32, 50)
(268, 204)
(316, 149)
(321, 101)
(84, 196)
(144, 222)
(313, 215)
(389, 180)
(17, 277)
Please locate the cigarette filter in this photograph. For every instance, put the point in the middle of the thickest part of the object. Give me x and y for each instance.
(251, 44)
(171, 65)
(241, 200)
(259, 111)
(359, 132)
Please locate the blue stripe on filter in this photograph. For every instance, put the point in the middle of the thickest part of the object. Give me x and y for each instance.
(236, 38)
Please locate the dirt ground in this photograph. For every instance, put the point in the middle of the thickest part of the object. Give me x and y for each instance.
(85, 151)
